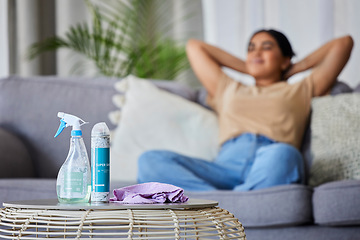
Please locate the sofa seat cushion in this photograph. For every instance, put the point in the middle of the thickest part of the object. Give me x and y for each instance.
(27, 189)
(285, 205)
(337, 203)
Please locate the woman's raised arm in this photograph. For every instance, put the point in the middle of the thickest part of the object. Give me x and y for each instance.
(327, 63)
(206, 61)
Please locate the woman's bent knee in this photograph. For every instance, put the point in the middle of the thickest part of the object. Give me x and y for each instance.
(283, 162)
(147, 164)
(149, 156)
(152, 164)
(281, 153)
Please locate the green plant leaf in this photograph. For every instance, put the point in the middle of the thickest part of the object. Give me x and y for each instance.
(124, 38)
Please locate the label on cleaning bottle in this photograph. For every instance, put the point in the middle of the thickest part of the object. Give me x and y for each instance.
(101, 175)
(102, 170)
(73, 182)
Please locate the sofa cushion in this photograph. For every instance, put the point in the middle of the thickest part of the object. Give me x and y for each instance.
(285, 205)
(337, 203)
(165, 121)
(14, 157)
(306, 232)
(334, 144)
(27, 189)
(338, 88)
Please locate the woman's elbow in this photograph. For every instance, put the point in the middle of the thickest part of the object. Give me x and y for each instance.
(193, 43)
(348, 42)
(343, 46)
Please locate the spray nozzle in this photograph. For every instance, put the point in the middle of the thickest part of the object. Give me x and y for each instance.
(70, 120)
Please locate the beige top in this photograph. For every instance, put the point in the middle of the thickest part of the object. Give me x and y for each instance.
(279, 111)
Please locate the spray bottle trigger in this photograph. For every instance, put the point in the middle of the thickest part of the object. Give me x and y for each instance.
(61, 127)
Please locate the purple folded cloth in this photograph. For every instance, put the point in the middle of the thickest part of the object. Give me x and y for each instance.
(152, 192)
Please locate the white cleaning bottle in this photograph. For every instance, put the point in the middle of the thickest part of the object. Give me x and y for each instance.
(73, 183)
(100, 163)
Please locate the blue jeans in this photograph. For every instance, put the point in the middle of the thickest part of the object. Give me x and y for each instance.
(246, 162)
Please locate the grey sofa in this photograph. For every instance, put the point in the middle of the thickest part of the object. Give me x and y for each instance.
(30, 159)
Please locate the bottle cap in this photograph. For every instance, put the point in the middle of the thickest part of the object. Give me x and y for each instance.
(100, 129)
(68, 120)
(76, 133)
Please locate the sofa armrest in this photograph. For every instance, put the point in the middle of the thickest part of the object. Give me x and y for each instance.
(15, 160)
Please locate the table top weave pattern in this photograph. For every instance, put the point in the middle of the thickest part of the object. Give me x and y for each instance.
(198, 223)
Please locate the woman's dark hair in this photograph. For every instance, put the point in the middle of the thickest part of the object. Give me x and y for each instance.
(281, 40)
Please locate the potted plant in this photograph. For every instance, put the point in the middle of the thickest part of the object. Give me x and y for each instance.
(123, 39)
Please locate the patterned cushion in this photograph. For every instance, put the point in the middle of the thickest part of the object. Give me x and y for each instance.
(338, 88)
(335, 139)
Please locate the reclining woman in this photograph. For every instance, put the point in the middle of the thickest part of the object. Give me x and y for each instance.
(260, 127)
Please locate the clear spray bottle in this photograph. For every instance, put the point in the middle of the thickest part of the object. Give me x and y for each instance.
(74, 178)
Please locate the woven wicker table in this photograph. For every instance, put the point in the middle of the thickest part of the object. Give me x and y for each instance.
(43, 219)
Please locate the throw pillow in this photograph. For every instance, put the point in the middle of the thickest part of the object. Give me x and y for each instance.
(152, 118)
(338, 88)
(335, 138)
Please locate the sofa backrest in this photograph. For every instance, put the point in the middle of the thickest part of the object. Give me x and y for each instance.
(29, 106)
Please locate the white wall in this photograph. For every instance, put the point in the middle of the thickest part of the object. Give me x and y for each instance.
(69, 13)
(307, 23)
(27, 32)
(4, 44)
